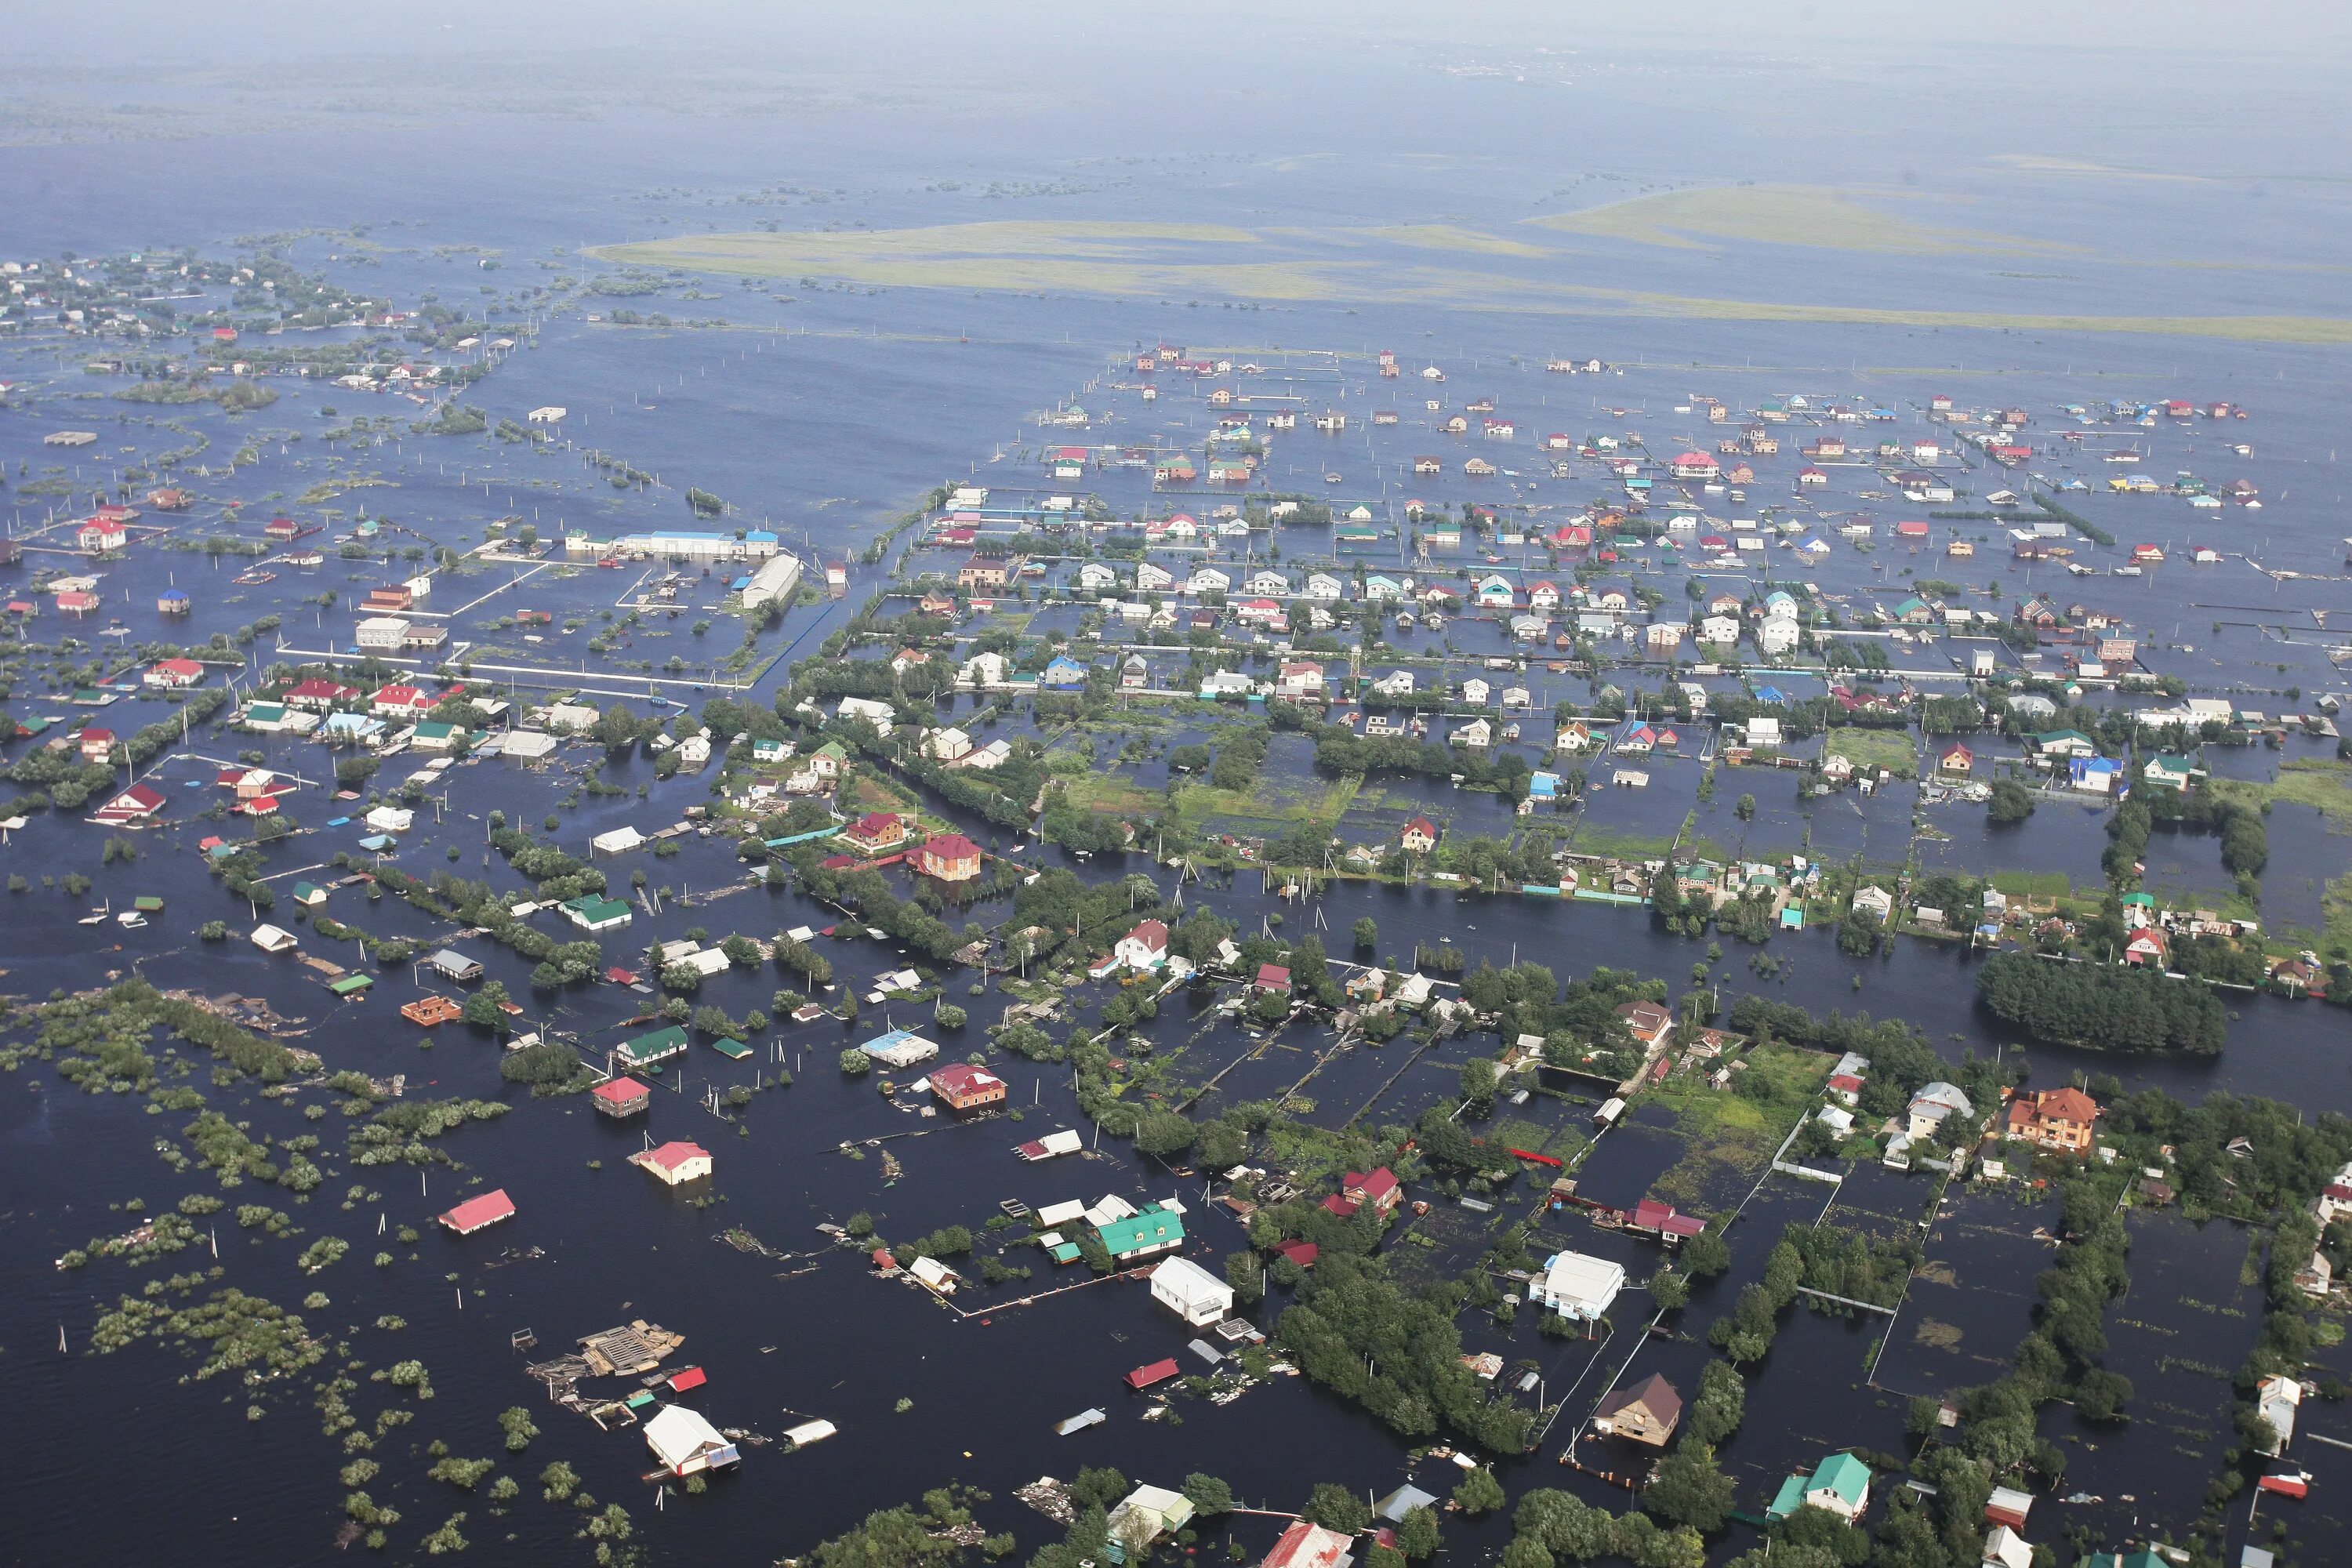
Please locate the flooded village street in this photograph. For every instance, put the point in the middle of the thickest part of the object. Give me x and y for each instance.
(815, 811)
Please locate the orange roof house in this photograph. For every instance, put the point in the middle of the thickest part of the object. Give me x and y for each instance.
(427, 1011)
(2059, 1119)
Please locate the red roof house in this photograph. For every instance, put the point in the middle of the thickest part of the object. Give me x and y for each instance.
(1378, 1187)
(1154, 1372)
(621, 1096)
(1306, 1545)
(174, 672)
(1660, 1219)
(319, 694)
(474, 1213)
(398, 701)
(961, 1087)
(133, 803)
(1274, 978)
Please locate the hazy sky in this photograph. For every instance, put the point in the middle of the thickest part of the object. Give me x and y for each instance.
(1024, 33)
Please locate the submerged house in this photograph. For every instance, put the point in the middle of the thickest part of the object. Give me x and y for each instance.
(1647, 1412)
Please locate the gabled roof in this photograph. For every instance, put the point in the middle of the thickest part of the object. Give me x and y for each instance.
(1843, 1473)
(1653, 1393)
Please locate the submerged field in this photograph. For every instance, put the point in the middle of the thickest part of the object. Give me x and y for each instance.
(1300, 265)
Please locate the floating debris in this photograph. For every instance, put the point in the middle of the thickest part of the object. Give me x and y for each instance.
(1050, 1498)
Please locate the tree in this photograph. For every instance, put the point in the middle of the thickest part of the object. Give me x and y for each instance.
(1669, 1289)
(1162, 1133)
(1417, 1533)
(1477, 1081)
(2011, 802)
(1722, 1400)
(1337, 1508)
(1098, 1487)
(1689, 1489)
(1816, 1535)
(1569, 1528)
(2101, 1394)
(1526, 1552)
(1207, 1494)
(856, 1062)
(1744, 808)
(1479, 1492)
(1707, 1255)
(487, 1006)
(1368, 933)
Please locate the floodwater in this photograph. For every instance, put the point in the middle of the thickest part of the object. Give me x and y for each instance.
(829, 412)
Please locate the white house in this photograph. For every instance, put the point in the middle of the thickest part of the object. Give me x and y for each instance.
(685, 1444)
(1579, 1288)
(1208, 580)
(1777, 634)
(946, 745)
(1191, 1291)
(1396, 683)
(875, 712)
(1719, 629)
(1144, 947)
(676, 1162)
(1095, 577)
(1323, 586)
(1934, 1104)
(1149, 578)
(1474, 691)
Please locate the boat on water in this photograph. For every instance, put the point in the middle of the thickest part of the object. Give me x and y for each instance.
(131, 919)
(97, 916)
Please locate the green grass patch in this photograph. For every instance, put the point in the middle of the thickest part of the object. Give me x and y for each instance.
(1109, 794)
(1198, 803)
(1888, 749)
(2041, 885)
(1731, 1136)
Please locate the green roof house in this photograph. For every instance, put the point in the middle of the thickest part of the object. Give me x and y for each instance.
(436, 735)
(2065, 743)
(2171, 772)
(1839, 1485)
(592, 912)
(1154, 1230)
(2144, 1557)
(647, 1049)
(309, 895)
